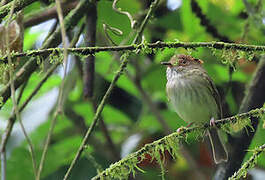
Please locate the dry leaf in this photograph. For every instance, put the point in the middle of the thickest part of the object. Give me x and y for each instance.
(15, 34)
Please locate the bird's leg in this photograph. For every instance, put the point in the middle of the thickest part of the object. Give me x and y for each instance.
(182, 128)
(189, 125)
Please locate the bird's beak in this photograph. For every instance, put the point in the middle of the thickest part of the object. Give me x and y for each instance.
(166, 63)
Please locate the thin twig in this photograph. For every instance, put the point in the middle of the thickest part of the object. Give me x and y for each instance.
(111, 146)
(65, 53)
(179, 135)
(3, 165)
(79, 120)
(248, 164)
(103, 101)
(46, 145)
(34, 92)
(46, 14)
(157, 45)
(21, 91)
(114, 30)
(59, 109)
(206, 22)
(37, 88)
(93, 161)
(95, 119)
(77, 36)
(13, 95)
(118, 10)
(144, 23)
(51, 30)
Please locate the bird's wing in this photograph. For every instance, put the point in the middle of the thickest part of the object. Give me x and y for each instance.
(214, 92)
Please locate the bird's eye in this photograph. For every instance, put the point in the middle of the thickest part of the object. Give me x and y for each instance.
(184, 62)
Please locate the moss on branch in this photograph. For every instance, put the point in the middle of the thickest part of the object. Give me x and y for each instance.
(250, 163)
(128, 164)
(4, 10)
(158, 45)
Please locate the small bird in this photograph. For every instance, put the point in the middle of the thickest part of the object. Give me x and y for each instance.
(195, 98)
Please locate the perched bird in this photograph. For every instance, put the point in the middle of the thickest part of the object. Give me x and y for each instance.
(195, 98)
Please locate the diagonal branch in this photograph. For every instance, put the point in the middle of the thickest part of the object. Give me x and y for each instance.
(206, 22)
(18, 5)
(249, 164)
(47, 14)
(137, 156)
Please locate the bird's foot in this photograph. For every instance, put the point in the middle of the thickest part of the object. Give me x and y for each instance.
(212, 122)
(189, 125)
(182, 128)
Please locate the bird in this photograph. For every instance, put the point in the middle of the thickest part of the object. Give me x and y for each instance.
(195, 98)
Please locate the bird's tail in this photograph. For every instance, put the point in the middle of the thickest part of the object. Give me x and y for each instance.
(219, 151)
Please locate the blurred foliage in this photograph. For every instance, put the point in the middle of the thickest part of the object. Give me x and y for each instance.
(126, 112)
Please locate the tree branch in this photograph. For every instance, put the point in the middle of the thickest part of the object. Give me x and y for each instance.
(89, 64)
(160, 145)
(44, 15)
(206, 22)
(4, 10)
(249, 164)
(157, 45)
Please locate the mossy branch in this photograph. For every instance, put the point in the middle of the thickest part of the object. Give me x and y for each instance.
(157, 45)
(242, 172)
(128, 164)
(4, 10)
